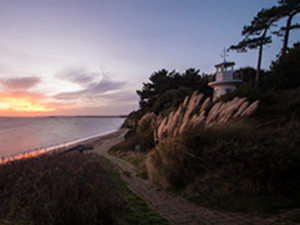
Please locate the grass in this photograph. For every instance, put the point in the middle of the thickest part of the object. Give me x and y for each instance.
(58, 189)
(226, 168)
(127, 174)
(69, 188)
(294, 218)
(243, 165)
(137, 159)
(235, 203)
(136, 210)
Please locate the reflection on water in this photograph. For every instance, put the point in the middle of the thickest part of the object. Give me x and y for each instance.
(19, 135)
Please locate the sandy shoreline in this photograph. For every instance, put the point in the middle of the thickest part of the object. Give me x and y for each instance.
(106, 141)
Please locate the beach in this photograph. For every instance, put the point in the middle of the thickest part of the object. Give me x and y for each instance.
(106, 141)
(24, 137)
(99, 143)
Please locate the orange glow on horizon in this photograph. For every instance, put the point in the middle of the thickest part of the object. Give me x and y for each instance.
(21, 104)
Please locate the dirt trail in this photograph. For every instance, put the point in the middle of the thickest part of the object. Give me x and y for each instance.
(176, 209)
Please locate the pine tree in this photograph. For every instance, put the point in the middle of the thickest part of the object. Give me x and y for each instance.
(256, 35)
(287, 8)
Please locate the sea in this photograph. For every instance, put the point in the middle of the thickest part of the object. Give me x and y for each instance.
(20, 135)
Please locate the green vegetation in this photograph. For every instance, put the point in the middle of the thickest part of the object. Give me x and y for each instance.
(295, 218)
(136, 210)
(136, 158)
(68, 189)
(225, 162)
(168, 89)
(242, 165)
(162, 95)
(279, 88)
(255, 35)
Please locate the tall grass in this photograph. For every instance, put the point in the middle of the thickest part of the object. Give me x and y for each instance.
(58, 189)
(233, 159)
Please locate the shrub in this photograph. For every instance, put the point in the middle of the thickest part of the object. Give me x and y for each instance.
(231, 159)
(58, 189)
(170, 164)
(285, 71)
(144, 140)
(142, 135)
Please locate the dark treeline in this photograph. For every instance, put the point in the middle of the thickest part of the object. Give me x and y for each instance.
(256, 35)
(167, 89)
(247, 164)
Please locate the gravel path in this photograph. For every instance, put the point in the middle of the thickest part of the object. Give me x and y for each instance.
(176, 209)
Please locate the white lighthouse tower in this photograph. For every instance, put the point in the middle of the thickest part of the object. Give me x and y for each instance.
(225, 81)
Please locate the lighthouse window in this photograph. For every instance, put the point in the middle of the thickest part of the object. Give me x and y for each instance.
(229, 69)
(219, 70)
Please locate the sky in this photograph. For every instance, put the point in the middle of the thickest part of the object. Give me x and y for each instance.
(88, 57)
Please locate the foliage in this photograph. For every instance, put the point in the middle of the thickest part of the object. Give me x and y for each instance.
(287, 8)
(144, 140)
(247, 75)
(171, 99)
(227, 161)
(170, 164)
(58, 189)
(280, 106)
(250, 93)
(135, 115)
(279, 89)
(285, 71)
(69, 188)
(260, 204)
(136, 158)
(256, 35)
(295, 218)
(135, 210)
(175, 84)
(142, 136)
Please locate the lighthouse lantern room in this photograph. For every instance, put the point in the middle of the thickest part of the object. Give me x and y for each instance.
(225, 80)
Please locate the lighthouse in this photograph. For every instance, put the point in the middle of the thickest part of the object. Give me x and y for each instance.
(225, 81)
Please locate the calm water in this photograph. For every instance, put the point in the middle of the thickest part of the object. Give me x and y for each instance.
(18, 135)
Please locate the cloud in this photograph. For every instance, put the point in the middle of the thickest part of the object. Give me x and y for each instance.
(94, 90)
(70, 95)
(78, 75)
(122, 97)
(106, 85)
(24, 102)
(19, 83)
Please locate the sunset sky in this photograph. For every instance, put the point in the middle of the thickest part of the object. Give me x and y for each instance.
(88, 57)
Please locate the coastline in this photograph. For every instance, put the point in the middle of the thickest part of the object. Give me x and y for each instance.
(106, 139)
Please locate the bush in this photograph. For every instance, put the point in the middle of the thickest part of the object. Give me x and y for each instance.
(58, 189)
(170, 164)
(144, 140)
(142, 135)
(285, 71)
(171, 99)
(231, 159)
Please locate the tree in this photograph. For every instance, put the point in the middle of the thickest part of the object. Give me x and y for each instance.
(166, 88)
(285, 71)
(288, 8)
(256, 35)
(160, 82)
(247, 75)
